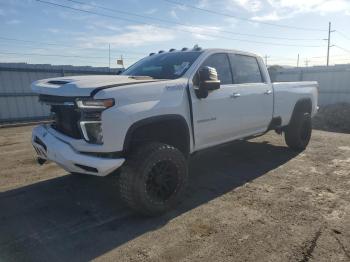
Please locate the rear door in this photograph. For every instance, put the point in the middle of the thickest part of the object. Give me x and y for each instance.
(255, 94)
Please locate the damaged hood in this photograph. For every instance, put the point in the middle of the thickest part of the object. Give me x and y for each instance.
(80, 86)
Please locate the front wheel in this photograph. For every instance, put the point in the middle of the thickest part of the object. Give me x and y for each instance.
(153, 179)
(298, 132)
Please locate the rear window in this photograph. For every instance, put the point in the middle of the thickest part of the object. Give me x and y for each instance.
(245, 69)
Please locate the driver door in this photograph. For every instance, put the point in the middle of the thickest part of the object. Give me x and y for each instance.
(217, 117)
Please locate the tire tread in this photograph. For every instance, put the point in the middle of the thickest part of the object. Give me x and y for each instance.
(131, 172)
(292, 136)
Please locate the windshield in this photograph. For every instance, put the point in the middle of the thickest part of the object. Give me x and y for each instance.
(163, 66)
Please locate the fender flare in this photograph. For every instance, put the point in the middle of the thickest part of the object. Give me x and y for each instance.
(302, 104)
(153, 120)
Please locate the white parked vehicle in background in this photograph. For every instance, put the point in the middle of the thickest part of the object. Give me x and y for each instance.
(153, 116)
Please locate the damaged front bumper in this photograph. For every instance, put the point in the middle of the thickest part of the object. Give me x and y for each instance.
(50, 147)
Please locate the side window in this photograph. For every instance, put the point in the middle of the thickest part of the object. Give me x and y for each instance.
(221, 64)
(245, 69)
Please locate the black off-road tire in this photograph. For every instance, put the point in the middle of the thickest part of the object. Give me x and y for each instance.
(148, 167)
(298, 132)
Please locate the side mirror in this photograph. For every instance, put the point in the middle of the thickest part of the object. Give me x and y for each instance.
(207, 81)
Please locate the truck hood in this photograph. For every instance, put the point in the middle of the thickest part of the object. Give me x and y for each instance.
(80, 86)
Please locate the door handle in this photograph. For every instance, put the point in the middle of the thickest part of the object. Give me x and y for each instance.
(268, 92)
(235, 95)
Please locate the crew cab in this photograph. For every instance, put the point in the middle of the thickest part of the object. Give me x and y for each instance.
(145, 123)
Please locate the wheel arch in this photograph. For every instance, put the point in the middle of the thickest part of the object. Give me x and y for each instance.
(171, 129)
(302, 105)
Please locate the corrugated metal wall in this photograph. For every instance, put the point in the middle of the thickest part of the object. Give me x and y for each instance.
(17, 102)
(334, 81)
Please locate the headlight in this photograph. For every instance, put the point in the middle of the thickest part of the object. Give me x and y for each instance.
(92, 131)
(95, 103)
(90, 122)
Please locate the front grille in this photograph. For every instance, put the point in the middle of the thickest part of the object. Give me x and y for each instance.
(66, 120)
(65, 114)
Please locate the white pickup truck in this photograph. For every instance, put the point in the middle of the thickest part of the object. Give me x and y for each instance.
(147, 121)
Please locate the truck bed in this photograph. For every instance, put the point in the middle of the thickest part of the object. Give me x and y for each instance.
(287, 93)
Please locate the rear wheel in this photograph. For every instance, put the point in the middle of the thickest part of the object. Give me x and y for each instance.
(298, 132)
(153, 179)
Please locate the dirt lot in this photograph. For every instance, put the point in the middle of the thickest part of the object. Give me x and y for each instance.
(247, 201)
(334, 118)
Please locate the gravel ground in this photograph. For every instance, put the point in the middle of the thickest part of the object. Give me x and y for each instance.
(247, 201)
(334, 118)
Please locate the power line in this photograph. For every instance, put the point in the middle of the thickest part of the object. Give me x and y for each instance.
(342, 34)
(343, 59)
(313, 60)
(281, 58)
(24, 46)
(21, 58)
(322, 57)
(187, 31)
(49, 49)
(278, 58)
(63, 45)
(57, 55)
(342, 48)
(242, 18)
(182, 24)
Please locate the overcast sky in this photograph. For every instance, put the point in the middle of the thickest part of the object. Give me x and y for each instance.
(69, 36)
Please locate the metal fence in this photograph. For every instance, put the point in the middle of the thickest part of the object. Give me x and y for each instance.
(334, 81)
(17, 102)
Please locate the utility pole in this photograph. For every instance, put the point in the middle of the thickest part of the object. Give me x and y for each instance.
(329, 40)
(307, 62)
(266, 59)
(298, 61)
(109, 56)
